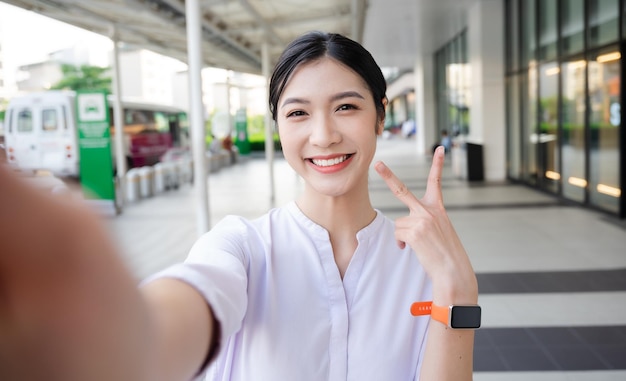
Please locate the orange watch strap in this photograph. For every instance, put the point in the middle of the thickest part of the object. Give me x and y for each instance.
(421, 308)
(441, 314)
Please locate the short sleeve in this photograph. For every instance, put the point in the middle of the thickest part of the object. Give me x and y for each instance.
(216, 267)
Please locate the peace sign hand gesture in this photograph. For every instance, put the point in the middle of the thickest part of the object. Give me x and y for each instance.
(429, 232)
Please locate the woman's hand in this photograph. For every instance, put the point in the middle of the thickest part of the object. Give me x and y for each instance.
(429, 232)
(69, 309)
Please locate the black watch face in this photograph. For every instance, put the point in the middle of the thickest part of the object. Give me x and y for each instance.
(465, 317)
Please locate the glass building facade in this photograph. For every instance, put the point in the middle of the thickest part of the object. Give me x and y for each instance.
(453, 81)
(563, 94)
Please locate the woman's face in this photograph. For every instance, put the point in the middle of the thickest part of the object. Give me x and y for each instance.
(328, 124)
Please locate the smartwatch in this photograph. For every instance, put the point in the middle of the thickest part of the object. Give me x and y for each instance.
(453, 316)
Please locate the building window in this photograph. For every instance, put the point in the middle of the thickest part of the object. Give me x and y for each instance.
(548, 137)
(514, 166)
(603, 22)
(512, 35)
(453, 81)
(604, 125)
(572, 26)
(573, 111)
(528, 35)
(547, 30)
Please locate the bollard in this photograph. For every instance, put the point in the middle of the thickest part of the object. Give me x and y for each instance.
(145, 181)
(183, 170)
(132, 185)
(167, 174)
(187, 168)
(174, 175)
(159, 178)
(213, 162)
(224, 159)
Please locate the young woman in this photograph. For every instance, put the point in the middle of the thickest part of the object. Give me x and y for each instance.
(319, 289)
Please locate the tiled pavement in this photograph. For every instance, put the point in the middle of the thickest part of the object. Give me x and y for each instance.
(552, 276)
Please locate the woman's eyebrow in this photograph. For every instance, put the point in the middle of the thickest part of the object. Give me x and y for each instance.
(294, 100)
(346, 94)
(334, 98)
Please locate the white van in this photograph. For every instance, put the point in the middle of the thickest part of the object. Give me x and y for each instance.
(41, 133)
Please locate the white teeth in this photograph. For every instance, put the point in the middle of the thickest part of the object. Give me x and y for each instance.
(328, 163)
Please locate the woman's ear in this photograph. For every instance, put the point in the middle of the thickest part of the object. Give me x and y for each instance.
(380, 124)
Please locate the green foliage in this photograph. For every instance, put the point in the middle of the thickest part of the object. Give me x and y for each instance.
(259, 146)
(256, 125)
(84, 77)
(3, 105)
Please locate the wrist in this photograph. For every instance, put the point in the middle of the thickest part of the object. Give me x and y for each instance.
(455, 292)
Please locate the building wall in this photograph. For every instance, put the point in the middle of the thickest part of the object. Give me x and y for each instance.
(39, 76)
(564, 124)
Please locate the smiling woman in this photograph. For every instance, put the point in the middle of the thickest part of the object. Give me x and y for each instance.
(319, 289)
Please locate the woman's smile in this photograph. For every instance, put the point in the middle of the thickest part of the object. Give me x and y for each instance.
(329, 164)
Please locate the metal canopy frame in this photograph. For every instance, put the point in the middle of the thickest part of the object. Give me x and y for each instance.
(233, 31)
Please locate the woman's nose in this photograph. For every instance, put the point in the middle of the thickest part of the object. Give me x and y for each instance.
(324, 132)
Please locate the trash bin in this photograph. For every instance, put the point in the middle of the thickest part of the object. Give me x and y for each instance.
(145, 181)
(132, 185)
(159, 178)
(475, 170)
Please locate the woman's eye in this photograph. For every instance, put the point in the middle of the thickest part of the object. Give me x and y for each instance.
(295, 113)
(346, 107)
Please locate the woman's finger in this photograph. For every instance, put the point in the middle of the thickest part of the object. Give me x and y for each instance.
(433, 193)
(399, 189)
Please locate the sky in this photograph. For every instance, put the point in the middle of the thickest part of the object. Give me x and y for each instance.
(28, 37)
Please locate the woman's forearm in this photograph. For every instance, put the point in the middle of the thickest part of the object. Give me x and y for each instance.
(183, 326)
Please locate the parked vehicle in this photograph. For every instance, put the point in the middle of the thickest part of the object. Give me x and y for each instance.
(41, 132)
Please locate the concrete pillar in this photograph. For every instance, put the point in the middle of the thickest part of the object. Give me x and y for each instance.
(485, 39)
(118, 120)
(425, 104)
(194, 52)
(269, 130)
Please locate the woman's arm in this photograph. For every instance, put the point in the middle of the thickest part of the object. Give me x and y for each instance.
(429, 232)
(70, 309)
(449, 352)
(184, 328)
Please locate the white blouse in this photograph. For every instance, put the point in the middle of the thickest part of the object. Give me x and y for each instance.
(285, 312)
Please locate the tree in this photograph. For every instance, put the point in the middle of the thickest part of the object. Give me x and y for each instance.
(84, 77)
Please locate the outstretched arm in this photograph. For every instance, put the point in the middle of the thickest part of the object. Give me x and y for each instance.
(69, 308)
(429, 232)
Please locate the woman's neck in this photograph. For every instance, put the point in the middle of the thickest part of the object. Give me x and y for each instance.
(341, 215)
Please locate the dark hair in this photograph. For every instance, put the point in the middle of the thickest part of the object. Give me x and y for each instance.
(316, 45)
